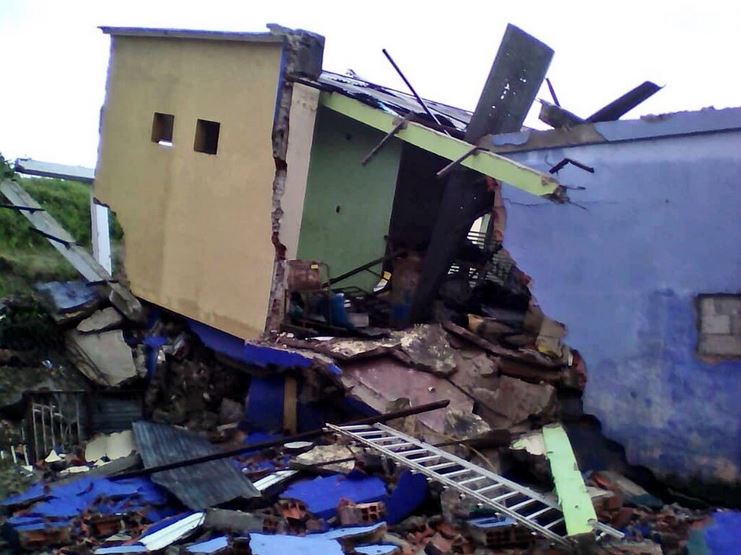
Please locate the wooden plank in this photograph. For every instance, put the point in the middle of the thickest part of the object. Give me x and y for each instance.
(485, 162)
(290, 403)
(65, 244)
(576, 504)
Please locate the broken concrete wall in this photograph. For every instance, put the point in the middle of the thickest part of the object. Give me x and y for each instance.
(657, 226)
(197, 225)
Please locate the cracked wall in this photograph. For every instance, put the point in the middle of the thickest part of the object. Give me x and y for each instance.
(656, 225)
(198, 227)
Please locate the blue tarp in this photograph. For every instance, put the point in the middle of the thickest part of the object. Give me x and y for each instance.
(410, 492)
(322, 495)
(59, 504)
(250, 353)
(719, 537)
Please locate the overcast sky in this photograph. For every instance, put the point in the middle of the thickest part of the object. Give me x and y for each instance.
(54, 58)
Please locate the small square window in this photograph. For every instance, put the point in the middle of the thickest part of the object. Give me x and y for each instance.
(719, 322)
(207, 136)
(162, 125)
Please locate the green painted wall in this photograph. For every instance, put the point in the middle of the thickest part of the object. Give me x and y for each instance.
(347, 206)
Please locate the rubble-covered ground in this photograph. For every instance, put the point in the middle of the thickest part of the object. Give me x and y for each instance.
(89, 402)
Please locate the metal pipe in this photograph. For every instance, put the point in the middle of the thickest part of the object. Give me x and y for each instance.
(411, 88)
(273, 443)
(35, 432)
(443, 172)
(77, 418)
(52, 419)
(45, 451)
(397, 127)
(362, 268)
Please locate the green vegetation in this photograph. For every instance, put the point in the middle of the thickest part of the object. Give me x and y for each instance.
(25, 256)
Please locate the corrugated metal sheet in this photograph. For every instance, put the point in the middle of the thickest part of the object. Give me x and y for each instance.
(198, 486)
(398, 102)
(115, 413)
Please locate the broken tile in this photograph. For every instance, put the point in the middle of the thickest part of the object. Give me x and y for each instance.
(513, 401)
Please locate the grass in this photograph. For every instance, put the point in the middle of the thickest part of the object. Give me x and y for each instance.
(25, 256)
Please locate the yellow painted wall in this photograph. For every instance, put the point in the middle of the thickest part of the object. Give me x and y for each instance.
(197, 226)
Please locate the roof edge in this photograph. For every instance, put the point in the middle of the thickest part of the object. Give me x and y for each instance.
(151, 32)
(660, 126)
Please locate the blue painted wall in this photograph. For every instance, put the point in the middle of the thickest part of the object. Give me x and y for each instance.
(660, 224)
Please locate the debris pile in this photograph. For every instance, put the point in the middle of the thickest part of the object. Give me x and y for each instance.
(130, 429)
(227, 456)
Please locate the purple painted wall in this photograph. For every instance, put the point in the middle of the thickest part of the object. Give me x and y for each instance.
(659, 223)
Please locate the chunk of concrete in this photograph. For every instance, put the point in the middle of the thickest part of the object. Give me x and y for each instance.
(379, 381)
(427, 347)
(513, 401)
(103, 320)
(104, 358)
(113, 446)
(326, 453)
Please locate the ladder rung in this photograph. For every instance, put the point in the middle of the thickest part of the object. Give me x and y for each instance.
(354, 427)
(506, 496)
(423, 459)
(456, 473)
(441, 466)
(396, 445)
(387, 438)
(469, 480)
(370, 433)
(413, 452)
(523, 504)
(536, 514)
(488, 488)
(552, 524)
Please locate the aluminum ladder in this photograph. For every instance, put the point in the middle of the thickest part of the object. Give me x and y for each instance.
(540, 513)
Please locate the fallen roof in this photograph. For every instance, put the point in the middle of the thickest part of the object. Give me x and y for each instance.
(392, 100)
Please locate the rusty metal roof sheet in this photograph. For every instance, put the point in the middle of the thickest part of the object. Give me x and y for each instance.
(199, 486)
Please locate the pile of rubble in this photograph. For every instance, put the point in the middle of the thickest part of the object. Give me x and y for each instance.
(215, 451)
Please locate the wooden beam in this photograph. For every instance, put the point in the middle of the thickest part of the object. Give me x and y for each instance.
(290, 403)
(80, 258)
(576, 504)
(483, 161)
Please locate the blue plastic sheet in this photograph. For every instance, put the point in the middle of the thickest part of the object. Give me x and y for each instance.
(260, 355)
(59, 504)
(410, 492)
(263, 544)
(321, 495)
(719, 537)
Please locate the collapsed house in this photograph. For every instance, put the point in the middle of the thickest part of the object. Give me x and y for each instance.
(343, 245)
